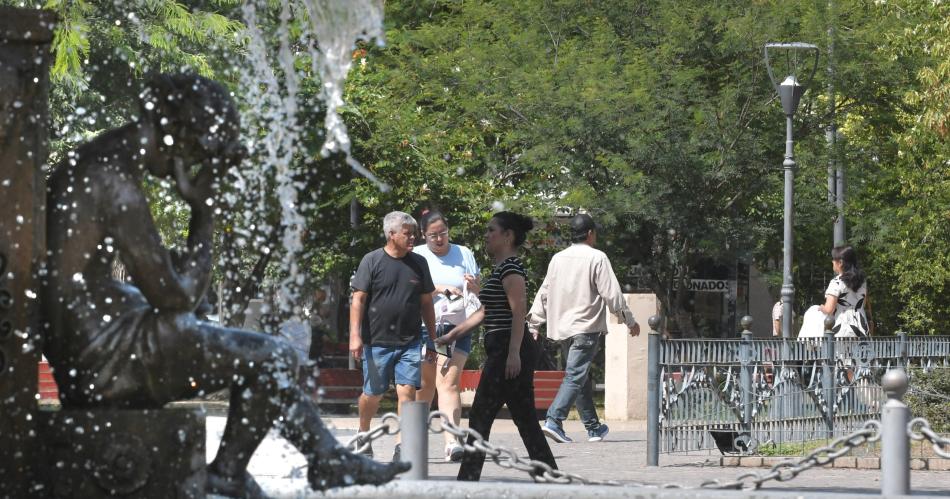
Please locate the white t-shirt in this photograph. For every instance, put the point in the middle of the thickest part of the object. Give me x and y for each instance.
(777, 314)
(448, 270)
(777, 311)
(851, 320)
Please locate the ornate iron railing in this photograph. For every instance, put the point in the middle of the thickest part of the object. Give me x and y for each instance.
(741, 395)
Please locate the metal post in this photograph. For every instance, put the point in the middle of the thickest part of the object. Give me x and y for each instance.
(653, 392)
(414, 428)
(788, 289)
(835, 169)
(895, 444)
(841, 234)
(904, 353)
(745, 373)
(828, 375)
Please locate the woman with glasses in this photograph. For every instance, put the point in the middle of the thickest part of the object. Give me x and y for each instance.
(510, 352)
(454, 272)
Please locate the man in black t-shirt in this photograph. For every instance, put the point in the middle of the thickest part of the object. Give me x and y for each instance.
(391, 290)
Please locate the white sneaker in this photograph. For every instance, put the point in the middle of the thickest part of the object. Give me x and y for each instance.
(454, 453)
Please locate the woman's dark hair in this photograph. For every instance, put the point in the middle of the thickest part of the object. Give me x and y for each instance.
(519, 224)
(431, 217)
(851, 274)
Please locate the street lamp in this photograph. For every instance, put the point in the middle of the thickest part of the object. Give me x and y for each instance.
(790, 91)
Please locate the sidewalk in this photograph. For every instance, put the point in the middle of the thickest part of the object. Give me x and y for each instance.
(622, 457)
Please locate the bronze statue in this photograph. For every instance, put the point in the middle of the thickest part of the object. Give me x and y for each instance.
(119, 345)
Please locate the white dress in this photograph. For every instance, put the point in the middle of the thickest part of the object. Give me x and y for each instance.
(851, 320)
(850, 317)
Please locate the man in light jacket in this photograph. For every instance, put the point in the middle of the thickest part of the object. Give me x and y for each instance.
(579, 288)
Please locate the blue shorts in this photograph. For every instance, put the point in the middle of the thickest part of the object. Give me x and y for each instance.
(463, 344)
(381, 365)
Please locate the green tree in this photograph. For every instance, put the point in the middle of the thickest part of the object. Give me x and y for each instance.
(644, 114)
(903, 211)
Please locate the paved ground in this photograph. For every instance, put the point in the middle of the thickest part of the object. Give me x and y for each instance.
(622, 456)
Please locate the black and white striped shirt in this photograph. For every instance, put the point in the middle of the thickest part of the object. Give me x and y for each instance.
(494, 299)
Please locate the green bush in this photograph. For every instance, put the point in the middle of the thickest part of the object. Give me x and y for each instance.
(477, 356)
(929, 397)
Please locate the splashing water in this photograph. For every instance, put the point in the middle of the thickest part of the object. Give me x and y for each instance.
(272, 99)
(337, 25)
(273, 109)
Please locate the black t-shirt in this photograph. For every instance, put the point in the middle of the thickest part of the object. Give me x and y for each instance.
(394, 285)
(493, 297)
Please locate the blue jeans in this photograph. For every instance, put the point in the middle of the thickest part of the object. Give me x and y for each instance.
(399, 364)
(577, 387)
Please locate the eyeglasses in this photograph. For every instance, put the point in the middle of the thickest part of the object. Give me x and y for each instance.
(437, 235)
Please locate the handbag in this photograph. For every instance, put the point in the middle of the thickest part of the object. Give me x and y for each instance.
(470, 301)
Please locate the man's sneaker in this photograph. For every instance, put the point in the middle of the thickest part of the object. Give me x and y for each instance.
(598, 433)
(397, 453)
(555, 432)
(454, 453)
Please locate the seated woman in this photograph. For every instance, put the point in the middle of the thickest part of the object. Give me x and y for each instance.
(846, 298)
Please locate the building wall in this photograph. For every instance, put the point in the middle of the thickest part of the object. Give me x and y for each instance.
(760, 303)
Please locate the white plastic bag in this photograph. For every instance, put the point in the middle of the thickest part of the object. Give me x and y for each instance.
(813, 323)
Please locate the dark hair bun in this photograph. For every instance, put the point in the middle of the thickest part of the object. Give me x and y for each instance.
(515, 222)
(525, 222)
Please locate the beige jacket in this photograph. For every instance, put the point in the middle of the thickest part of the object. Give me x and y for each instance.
(577, 291)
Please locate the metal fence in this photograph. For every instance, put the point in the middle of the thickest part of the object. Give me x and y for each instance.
(893, 431)
(744, 395)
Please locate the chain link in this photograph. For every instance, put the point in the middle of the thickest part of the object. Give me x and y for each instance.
(787, 470)
(941, 446)
(362, 440)
(781, 472)
(508, 459)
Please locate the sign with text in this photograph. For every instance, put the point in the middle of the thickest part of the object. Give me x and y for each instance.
(709, 285)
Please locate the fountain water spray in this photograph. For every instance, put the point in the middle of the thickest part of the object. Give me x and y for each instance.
(331, 29)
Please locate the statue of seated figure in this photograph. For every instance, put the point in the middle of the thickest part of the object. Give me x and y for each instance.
(119, 345)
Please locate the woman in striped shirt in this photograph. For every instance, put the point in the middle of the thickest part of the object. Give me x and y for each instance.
(510, 353)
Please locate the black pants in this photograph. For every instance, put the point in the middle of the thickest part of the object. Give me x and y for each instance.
(518, 393)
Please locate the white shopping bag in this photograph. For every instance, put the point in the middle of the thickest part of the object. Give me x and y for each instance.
(813, 323)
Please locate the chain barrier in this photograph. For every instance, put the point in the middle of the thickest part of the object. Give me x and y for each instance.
(783, 471)
(508, 459)
(543, 473)
(787, 470)
(941, 446)
(362, 440)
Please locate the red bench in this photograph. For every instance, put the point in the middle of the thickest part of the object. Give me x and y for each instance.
(48, 389)
(546, 384)
(340, 387)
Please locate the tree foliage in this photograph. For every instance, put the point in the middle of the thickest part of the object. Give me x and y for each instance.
(655, 116)
(904, 207)
(658, 118)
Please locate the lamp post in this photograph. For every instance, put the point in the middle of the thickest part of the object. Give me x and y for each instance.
(790, 91)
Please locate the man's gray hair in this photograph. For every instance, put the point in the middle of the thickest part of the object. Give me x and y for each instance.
(394, 221)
